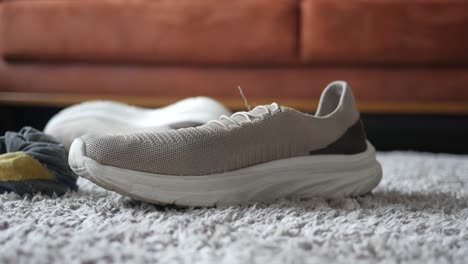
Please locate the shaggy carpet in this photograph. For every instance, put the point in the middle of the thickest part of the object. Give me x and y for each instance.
(419, 213)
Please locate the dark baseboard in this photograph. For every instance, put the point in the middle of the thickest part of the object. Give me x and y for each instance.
(432, 133)
(428, 132)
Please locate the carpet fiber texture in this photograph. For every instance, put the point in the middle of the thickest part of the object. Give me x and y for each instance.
(419, 214)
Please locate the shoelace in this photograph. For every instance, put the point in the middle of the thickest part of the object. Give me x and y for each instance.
(247, 115)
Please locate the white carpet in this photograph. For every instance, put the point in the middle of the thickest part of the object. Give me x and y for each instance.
(419, 213)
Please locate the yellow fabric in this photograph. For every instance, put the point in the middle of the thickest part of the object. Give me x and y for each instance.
(18, 166)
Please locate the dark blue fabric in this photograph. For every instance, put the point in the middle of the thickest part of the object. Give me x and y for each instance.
(47, 151)
(47, 187)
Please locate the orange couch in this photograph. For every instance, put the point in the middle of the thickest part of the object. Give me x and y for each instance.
(398, 55)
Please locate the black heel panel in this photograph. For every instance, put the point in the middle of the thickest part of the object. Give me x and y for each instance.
(352, 142)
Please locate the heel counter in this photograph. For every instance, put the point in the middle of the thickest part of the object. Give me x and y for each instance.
(353, 141)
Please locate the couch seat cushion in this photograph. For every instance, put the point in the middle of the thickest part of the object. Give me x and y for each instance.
(385, 31)
(160, 31)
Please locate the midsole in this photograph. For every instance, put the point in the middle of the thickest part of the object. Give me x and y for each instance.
(322, 167)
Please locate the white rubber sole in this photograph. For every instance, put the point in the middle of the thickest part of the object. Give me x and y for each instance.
(300, 177)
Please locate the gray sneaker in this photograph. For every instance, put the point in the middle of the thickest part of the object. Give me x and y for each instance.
(267, 153)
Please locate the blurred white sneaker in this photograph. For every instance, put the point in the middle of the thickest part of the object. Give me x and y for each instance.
(108, 117)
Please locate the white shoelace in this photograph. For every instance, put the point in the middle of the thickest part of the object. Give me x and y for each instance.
(247, 115)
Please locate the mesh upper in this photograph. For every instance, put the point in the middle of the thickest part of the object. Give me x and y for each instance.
(212, 148)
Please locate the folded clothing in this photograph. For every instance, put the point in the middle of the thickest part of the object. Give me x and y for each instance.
(34, 162)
